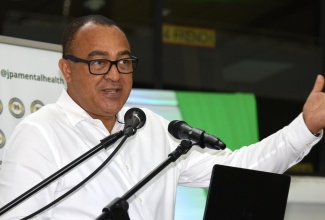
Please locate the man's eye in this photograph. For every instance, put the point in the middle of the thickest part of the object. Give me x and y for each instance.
(124, 62)
(98, 62)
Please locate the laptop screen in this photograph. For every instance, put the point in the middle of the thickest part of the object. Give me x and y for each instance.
(243, 194)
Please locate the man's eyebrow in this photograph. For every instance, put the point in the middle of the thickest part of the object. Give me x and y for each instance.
(98, 53)
(124, 52)
(104, 53)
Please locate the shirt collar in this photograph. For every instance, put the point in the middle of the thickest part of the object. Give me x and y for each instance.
(72, 110)
(76, 114)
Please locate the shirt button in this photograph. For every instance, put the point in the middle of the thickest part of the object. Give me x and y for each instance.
(127, 167)
(140, 199)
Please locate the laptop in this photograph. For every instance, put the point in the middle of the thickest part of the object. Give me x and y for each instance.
(243, 194)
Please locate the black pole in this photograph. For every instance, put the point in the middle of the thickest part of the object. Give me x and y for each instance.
(117, 209)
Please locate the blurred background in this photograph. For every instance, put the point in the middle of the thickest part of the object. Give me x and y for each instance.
(271, 48)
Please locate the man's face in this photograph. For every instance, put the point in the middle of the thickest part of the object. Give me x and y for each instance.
(102, 96)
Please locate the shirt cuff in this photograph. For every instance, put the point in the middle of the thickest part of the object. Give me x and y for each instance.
(299, 134)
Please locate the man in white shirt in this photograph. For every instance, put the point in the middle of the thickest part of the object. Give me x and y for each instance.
(97, 65)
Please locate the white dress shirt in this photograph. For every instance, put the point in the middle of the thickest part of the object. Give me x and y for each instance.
(55, 135)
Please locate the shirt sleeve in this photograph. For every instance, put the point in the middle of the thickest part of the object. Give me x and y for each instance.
(276, 154)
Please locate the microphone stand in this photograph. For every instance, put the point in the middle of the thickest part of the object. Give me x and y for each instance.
(117, 209)
(109, 140)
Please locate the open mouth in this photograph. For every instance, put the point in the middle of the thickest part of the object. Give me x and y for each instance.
(111, 91)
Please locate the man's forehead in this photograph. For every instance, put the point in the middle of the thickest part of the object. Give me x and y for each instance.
(97, 38)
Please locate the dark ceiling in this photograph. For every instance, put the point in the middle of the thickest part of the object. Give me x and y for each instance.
(295, 18)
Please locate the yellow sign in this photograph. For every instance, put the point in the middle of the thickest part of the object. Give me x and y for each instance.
(191, 36)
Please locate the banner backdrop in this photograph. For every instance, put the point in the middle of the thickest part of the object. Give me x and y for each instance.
(30, 78)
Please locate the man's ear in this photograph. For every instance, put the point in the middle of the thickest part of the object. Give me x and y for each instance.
(65, 69)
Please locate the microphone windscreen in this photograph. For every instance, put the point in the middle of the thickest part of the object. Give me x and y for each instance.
(174, 128)
(134, 113)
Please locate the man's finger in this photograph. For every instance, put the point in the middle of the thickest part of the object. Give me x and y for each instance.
(319, 84)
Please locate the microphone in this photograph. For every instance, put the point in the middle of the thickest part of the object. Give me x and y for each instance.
(181, 130)
(134, 119)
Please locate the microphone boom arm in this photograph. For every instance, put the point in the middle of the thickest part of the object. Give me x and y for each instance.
(134, 119)
(117, 209)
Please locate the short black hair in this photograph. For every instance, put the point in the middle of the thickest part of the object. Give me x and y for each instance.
(73, 27)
